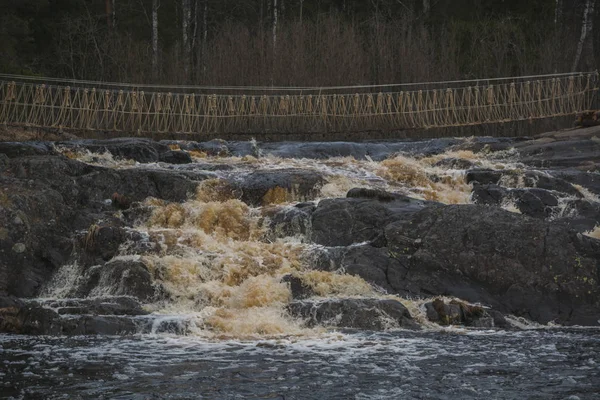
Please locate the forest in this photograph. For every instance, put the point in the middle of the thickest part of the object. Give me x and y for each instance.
(296, 42)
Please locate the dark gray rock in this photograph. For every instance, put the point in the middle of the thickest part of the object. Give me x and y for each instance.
(22, 149)
(95, 306)
(297, 287)
(290, 221)
(299, 184)
(137, 149)
(369, 314)
(454, 163)
(120, 278)
(342, 222)
(175, 157)
(483, 176)
(515, 264)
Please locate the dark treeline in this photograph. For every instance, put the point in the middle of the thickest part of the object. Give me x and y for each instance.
(295, 42)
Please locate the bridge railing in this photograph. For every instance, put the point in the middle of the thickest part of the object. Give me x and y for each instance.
(100, 106)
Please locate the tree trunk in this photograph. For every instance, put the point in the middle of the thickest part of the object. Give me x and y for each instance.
(204, 36)
(426, 7)
(109, 14)
(586, 39)
(155, 38)
(301, 10)
(558, 14)
(185, 26)
(274, 24)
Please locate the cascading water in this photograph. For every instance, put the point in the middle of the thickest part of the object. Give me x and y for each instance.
(223, 270)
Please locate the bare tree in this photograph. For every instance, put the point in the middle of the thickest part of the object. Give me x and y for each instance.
(155, 6)
(587, 26)
(274, 24)
(109, 13)
(185, 26)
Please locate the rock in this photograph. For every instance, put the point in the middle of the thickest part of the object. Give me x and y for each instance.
(369, 314)
(80, 183)
(365, 193)
(22, 149)
(119, 278)
(588, 180)
(297, 287)
(375, 265)
(95, 306)
(536, 203)
(454, 163)
(102, 242)
(358, 151)
(342, 222)
(120, 202)
(175, 157)
(488, 194)
(290, 221)
(483, 176)
(264, 187)
(137, 149)
(518, 265)
(560, 152)
(458, 313)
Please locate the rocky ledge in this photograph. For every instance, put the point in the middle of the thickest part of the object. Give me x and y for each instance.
(537, 263)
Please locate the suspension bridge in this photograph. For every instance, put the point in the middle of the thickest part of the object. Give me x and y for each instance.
(197, 110)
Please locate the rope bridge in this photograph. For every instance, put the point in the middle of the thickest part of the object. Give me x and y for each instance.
(47, 102)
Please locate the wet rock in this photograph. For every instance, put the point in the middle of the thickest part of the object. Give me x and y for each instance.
(514, 264)
(454, 163)
(102, 242)
(96, 306)
(588, 180)
(278, 186)
(214, 148)
(359, 151)
(99, 325)
(458, 313)
(137, 149)
(290, 221)
(368, 314)
(35, 230)
(175, 157)
(483, 176)
(569, 149)
(120, 278)
(120, 202)
(365, 193)
(536, 203)
(341, 222)
(81, 184)
(375, 265)
(297, 287)
(22, 149)
(489, 194)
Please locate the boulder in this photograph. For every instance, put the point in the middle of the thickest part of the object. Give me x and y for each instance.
(367, 314)
(119, 277)
(175, 157)
(95, 306)
(298, 289)
(290, 221)
(22, 149)
(518, 265)
(454, 163)
(137, 149)
(264, 187)
(458, 313)
(342, 222)
(483, 176)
